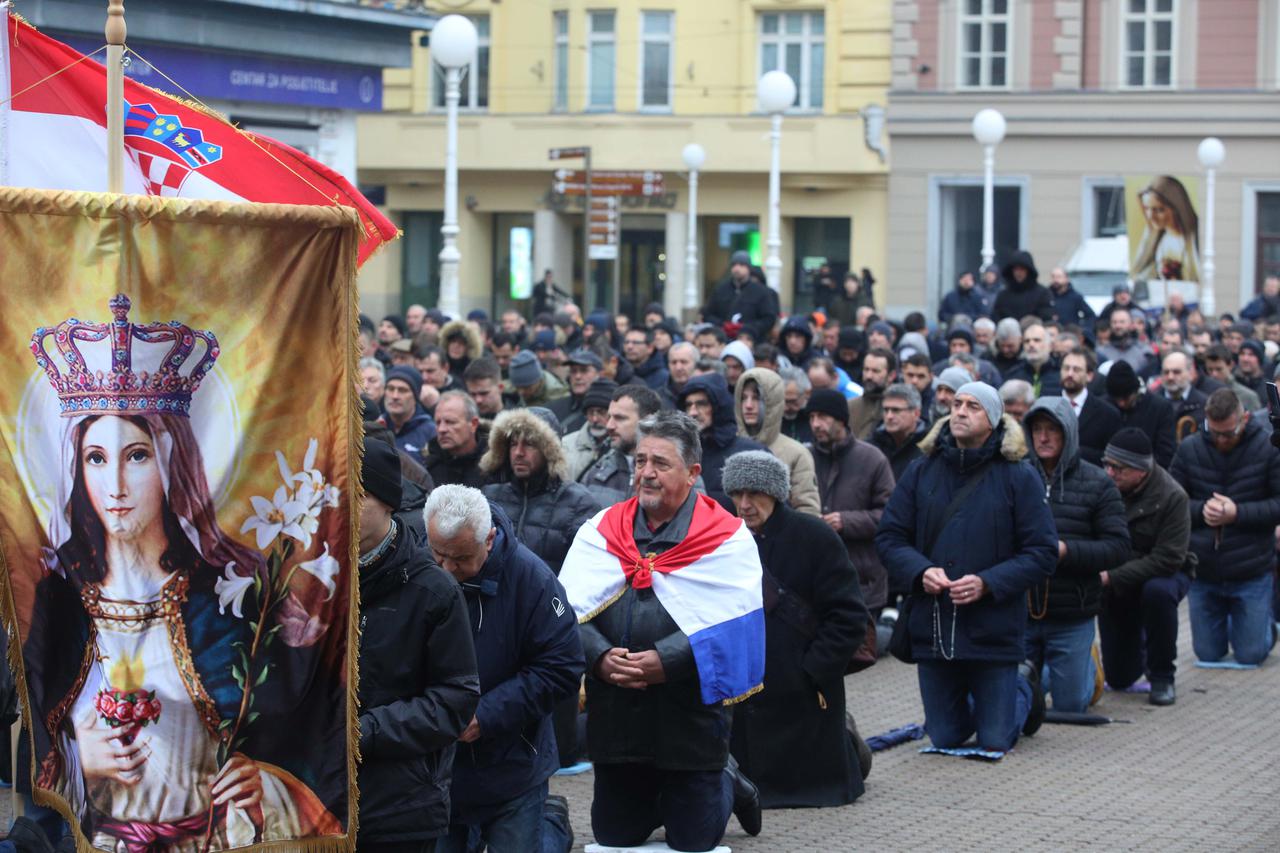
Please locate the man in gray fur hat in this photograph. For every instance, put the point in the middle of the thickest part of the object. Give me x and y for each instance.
(791, 740)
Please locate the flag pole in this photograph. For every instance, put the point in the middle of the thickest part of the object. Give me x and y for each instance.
(115, 32)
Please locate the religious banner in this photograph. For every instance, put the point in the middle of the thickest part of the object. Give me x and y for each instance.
(178, 461)
(1164, 229)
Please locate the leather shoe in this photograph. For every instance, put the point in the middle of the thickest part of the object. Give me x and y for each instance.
(1035, 716)
(746, 799)
(1162, 693)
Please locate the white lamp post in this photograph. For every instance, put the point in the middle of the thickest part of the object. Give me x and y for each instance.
(1211, 153)
(988, 129)
(694, 156)
(453, 45)
(776, 92)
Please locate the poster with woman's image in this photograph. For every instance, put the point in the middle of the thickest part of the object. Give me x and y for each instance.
(1164, 230)
(176, 461)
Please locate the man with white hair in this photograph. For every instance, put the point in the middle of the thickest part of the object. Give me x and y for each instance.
(1008, 345)
(796, 389)
(682, 357)
(1037, 365)
(984, 332)
(530, 658)
(1017, 395)
(968, 530)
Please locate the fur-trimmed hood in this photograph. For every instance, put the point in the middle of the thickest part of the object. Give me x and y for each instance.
(513, 423)
(1013, 445)
(475, 343)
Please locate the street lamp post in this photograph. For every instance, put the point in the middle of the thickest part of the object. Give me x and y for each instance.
(453, 45)
(694, 156)
(776, 92)
(988, 130)
(1211, 153)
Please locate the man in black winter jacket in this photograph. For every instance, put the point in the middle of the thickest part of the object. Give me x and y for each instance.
(1069, 305)
(418, 680)
(1148, 412)
(742, 298)
(1092, 538)
(1231, 475)
(1022, 294)
(708, 400)
(530, 658)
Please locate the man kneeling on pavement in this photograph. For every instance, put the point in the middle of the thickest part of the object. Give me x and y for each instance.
(1092, 538)
(969, 532)
(1138, 624)
(667, 588)
(530, 658)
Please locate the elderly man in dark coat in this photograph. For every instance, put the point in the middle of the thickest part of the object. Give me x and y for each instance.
(790, 739)
(1092, 538)
(854, 485)
(969, 531)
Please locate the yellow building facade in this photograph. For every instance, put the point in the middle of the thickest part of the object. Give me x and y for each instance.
(635, 82)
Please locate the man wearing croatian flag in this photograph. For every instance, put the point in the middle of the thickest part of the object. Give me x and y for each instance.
(667, 590)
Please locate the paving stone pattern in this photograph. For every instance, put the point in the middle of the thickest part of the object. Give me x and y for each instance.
(1201, 775)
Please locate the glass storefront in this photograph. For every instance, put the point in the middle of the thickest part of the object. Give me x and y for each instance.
(420, 279)
(822, 248)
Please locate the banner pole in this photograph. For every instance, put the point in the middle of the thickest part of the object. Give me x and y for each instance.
(115, 33)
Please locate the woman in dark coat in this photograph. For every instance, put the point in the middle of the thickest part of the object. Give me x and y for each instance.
(791, 739)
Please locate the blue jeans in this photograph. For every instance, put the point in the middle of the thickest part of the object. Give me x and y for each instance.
(963, 698)
(1235, 610)
(1063, 646)
(509, 829)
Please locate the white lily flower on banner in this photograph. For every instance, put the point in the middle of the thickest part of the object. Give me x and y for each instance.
(281, 514)
(323, 568)
(231, 589)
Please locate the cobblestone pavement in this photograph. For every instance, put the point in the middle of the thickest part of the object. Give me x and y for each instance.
(1201, 775)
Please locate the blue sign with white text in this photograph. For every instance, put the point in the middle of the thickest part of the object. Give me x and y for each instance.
(210, 75)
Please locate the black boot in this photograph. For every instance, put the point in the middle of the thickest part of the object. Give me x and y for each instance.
(1035, 717)
(1162, 693)
(860, 747)
(746, 799)
(28, 837)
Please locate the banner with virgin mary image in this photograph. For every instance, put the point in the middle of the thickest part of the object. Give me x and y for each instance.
(1164, 228)
(177, 459)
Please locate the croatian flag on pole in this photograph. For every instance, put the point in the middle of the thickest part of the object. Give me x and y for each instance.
(53, 135)
(709, 584)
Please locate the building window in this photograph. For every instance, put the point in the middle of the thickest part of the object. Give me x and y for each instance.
(656, 31)
(1108, 211)
(1148, 43)
(560, 25)
(420, 267)
(602, 52)
(984, 44)
(794, 42)
(1267, 260)
(475, 85)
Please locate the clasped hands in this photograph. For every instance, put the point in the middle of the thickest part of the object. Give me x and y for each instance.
(965, 590)
(1219, 511)
(634, 670)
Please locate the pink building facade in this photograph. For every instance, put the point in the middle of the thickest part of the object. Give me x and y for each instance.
(1096, 93)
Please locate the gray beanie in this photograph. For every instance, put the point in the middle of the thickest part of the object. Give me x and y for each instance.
(987, 397)
(954, 377)
(757, 471)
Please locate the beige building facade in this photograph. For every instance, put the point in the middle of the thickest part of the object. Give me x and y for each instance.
(1096, 93)
(636, 82)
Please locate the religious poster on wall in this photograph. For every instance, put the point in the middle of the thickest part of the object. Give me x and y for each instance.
(1164, 229)
(177, 463)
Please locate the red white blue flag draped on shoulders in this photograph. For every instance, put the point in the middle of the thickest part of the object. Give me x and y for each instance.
(709, 584)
